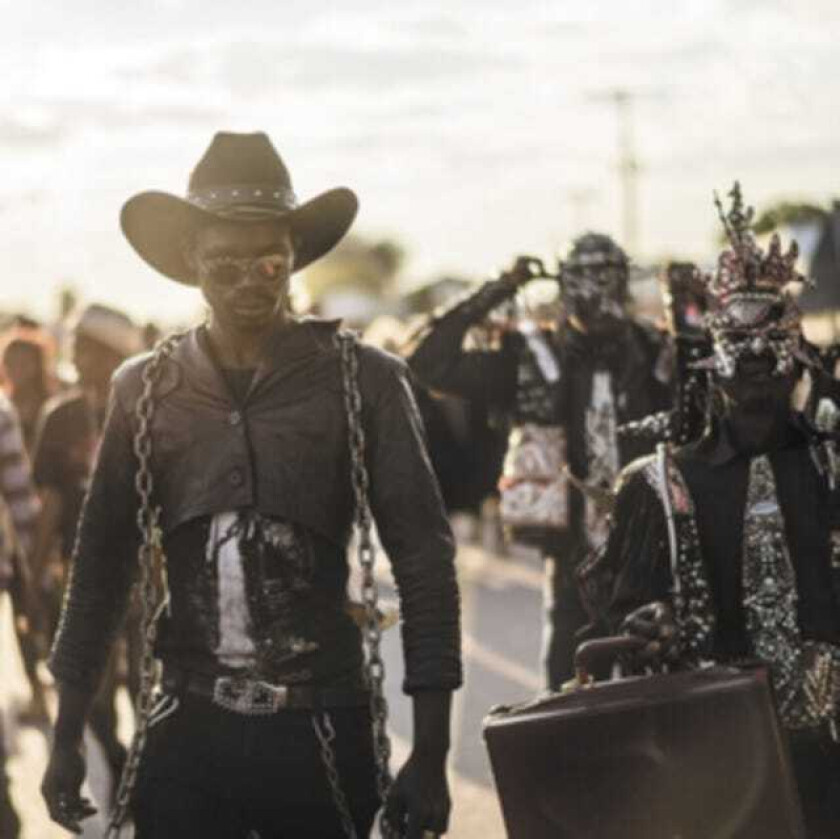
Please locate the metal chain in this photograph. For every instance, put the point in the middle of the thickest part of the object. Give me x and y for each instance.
(372, 633)
(325, 732)
(152, 579)
(152, 563)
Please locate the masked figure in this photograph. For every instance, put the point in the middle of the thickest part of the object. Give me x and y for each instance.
(232, 444)
(565, 391)
(725, 550)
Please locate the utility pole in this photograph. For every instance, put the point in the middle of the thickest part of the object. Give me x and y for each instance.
(628, 170)
(627, 166)
(580, 199)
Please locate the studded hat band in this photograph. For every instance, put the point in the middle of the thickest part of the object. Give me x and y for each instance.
(245, 199)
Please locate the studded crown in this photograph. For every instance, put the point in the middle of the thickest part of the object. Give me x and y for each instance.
(751, 310)
(744, 268)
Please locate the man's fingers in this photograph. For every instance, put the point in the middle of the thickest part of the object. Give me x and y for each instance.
(86, 808)
(651, 650)
(640, 626)
(69, 811)
(68, 819)
(395, 810)
(427, 821)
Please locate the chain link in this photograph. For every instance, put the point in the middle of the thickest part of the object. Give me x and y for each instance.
(372, 633)
(152, 585)
(325, 732)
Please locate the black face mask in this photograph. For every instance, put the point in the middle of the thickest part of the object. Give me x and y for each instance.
(757, 400)
(595, 295)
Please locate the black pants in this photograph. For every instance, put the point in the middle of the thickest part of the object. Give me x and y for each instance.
(816, 765)
(209, 773)
(564, 618)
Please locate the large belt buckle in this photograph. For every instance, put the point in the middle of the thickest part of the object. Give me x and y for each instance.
(249, 696)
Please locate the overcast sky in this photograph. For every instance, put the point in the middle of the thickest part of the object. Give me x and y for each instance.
(466, 128)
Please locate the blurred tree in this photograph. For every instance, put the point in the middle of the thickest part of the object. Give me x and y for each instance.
(359, 264)
(789, 213)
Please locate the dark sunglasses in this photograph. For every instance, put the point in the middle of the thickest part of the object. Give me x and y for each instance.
(228, 270)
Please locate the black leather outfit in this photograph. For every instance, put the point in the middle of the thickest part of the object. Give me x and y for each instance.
(280, 457)
(495, 378)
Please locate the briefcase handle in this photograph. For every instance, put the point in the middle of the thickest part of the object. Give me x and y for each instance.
(603, 652)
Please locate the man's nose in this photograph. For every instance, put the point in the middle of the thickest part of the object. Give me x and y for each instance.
(250, 278)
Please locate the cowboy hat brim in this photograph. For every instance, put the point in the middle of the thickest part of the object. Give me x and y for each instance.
(158, 226)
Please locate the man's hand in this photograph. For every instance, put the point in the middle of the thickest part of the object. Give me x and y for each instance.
(525, 269)
(418, 804)
(656, 624)
(62, 785)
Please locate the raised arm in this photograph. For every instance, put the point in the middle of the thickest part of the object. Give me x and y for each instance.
(441, 363)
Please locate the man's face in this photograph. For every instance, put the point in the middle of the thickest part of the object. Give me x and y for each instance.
(94, 362)
(756, 401)
(22, 364)
(594, 296)
(244, 271)
(756, 385)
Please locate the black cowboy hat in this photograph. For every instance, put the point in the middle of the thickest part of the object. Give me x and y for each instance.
(241, 177)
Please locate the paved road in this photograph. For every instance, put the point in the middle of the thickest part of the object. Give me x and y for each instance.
(501, 619)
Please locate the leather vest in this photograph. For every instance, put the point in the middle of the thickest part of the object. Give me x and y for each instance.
(283, 451)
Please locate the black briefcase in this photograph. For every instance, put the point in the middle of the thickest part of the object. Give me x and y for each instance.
(689, 755)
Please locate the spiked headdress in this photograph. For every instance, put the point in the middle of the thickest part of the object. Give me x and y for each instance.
(744, 271)
(749, 293)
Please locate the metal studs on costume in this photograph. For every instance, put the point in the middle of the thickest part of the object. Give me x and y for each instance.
(806, 674)
(692, 597)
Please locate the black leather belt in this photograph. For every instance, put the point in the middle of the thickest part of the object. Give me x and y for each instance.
(255, 697)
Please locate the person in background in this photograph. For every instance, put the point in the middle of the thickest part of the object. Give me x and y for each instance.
(597, 369)
(26, 368)
(18, 512)
(64, 454)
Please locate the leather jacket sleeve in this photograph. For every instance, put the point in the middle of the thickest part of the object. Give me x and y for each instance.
(104, 560)
(408, 510)
(441, 363)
